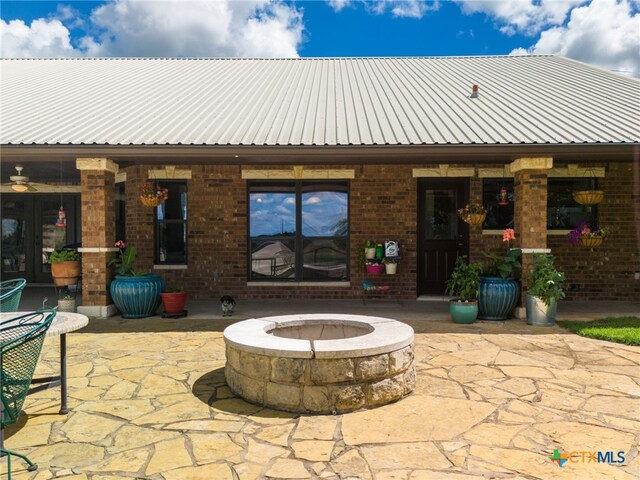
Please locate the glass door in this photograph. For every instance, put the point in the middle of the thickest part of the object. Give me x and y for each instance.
(16, 236)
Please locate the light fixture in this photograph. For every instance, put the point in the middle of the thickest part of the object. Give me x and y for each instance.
(62, 217)
(503, 196)
(19, 187)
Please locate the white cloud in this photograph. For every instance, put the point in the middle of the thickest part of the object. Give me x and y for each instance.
(522, 16)
(180, 28)
(604, 33)
(398, 8)
(43, 38)
(265, 28)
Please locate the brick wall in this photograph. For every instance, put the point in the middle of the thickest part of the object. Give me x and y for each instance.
(383, 205)
(98, 218)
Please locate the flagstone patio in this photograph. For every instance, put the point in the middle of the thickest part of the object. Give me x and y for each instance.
(493, 400)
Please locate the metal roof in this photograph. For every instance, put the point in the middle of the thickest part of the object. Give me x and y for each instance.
(315, 101)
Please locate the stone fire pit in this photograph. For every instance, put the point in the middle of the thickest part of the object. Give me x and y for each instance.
(320, 363)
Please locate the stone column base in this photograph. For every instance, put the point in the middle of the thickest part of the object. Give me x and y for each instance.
(98, 311)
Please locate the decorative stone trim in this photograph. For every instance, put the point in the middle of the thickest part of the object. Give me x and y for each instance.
(501, 172)
(170, 172)
(573, 171)
(531, 163)
(536, 250)
(97, 164)
(97, 249)
(121, 177)
(298, 172)
(443, 170)
(320, 363)
(170, 267)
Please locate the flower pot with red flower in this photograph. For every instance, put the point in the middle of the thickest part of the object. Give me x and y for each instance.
(499, 290)
(587, 236)
(473, 213)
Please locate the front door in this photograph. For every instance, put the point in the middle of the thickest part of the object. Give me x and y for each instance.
(442, 234)
(29, 233)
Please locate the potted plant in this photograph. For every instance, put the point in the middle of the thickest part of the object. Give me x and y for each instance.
(373, 267)
(174, 300)
(544, 289)
(151, 195)
(499, 290)
(473, 213)
(464, 284)
(65, 267)
(369, 249)
(136, 294)
(391, 264)
(586, 235)
(67, 303)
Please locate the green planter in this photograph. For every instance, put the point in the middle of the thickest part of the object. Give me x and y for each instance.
(137, 296)
(463, 312)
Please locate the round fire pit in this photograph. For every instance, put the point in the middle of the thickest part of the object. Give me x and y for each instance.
(320, 363)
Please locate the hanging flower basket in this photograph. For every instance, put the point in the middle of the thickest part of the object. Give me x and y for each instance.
(151, 195)
(591, 242)
(588, 197)
(475, 218)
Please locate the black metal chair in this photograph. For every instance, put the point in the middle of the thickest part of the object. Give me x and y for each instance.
(10, 293)
(21, 341)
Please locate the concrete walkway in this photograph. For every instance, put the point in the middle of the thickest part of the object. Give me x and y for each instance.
(493, 400)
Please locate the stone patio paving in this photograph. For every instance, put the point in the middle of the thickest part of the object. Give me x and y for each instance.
(493, 400)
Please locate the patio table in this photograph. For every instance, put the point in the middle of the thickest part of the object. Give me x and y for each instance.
(63, 323)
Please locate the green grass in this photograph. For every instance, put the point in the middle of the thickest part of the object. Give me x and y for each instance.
(614, 329)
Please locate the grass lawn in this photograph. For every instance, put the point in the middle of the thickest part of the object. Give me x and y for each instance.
(615, 329)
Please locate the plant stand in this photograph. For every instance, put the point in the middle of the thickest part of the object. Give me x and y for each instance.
(181, 314)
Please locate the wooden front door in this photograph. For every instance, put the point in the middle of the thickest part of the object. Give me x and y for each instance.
(442, 235)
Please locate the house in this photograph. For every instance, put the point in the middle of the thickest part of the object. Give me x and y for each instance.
(278, 170)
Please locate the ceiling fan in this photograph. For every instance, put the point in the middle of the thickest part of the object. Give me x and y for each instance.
(20, 183)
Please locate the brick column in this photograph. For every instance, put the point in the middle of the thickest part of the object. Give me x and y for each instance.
(530, 216)
(98, 234)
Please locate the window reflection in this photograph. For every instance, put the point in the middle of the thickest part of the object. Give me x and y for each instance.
(272, 214)
(324, 214)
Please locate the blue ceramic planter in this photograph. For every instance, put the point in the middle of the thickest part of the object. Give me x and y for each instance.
(497, 298)
(137, 297)
(463, 312)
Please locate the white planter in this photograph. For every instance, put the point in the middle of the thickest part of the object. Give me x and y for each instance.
(539, 314)
(67, 305)
(391, 268)
(369, 253)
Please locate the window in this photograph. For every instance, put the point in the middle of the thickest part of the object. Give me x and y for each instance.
(498, 216)
(171, 225)
(563, 213)
(120, 212)
(298, 231)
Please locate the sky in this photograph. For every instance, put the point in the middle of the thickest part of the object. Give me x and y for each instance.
(605, 33)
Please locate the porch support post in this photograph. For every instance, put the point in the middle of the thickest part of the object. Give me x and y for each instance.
(530, 216)
(98, 234)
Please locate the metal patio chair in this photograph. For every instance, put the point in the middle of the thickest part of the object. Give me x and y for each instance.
(10, 293)
(21, 341)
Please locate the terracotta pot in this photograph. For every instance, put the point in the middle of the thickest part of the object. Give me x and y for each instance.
(65, 273)
(174, 302)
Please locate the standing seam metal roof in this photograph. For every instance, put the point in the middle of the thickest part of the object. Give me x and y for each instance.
(315, 101)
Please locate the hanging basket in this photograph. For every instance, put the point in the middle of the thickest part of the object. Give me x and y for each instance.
(591, 242)
(588, 197)
(475, 218)
(151, 201)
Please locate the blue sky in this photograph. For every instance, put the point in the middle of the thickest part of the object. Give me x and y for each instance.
(602, 32)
